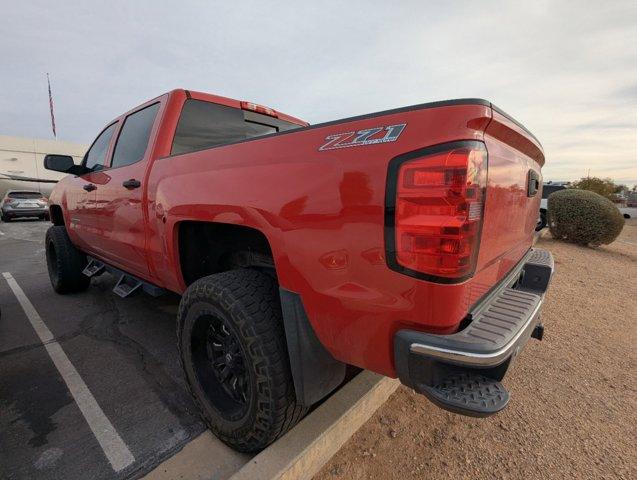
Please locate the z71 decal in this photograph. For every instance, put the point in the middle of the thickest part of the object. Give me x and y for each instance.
(369, 136)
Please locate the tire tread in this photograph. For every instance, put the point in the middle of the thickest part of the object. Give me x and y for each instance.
(251, 299)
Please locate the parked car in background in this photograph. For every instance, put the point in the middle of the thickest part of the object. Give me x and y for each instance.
(628, 212)
(547, 189)
(24, 203)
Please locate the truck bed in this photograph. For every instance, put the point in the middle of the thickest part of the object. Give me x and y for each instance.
(323, 211)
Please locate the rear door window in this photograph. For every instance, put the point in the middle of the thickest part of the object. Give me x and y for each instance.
(133, 138)
(96, 156)
(205, 124)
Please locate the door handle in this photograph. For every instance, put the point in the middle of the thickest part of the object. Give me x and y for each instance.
(89, 187)
(132, 183)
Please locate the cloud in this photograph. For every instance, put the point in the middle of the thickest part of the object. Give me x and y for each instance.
(564, 71)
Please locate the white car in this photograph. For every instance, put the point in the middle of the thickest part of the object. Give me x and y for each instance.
(547, 189)
(628, 212)
(23, 203)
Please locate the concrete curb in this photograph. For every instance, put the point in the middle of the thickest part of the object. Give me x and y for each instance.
(302, 452)
(203, 458)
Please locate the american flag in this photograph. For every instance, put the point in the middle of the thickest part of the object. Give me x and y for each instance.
(51, 107)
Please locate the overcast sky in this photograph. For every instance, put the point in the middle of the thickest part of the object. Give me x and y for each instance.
(567, 70)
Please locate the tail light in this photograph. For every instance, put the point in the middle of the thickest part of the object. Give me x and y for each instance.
(437, 211)
(253, 107)
(7, 200)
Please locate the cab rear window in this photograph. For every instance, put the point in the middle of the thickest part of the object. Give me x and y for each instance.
(205, 124)
(24, 195)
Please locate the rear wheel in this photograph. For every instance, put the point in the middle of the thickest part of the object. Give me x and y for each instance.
(232, 347)
(65, 262)
(5, 218)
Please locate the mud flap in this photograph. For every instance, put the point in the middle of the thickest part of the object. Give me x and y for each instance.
(314, 371)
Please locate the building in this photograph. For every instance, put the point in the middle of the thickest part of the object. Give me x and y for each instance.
(21, 162)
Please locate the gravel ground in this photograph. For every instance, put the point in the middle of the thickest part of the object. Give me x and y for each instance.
(572, 412)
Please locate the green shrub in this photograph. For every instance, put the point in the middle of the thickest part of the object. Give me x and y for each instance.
(583, 217)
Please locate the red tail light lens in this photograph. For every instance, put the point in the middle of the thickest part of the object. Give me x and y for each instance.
(438, 212)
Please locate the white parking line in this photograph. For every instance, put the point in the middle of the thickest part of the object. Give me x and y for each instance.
(113, 446)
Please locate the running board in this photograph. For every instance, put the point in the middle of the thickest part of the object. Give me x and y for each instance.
(127, 283)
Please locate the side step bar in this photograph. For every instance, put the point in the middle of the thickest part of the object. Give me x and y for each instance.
(127, 283)
(94, 268)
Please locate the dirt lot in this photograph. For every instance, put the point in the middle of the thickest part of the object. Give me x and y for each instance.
(573, 407)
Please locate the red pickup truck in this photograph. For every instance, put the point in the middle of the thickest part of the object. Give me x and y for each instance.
(399, 242)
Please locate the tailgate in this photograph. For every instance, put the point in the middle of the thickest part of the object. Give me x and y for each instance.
(513, 194)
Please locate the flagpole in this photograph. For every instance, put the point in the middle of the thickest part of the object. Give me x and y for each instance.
(48, 81)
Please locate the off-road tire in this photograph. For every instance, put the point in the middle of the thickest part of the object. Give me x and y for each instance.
(65, 262)
(248, 301)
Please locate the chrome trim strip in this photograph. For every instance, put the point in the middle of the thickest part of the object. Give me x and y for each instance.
(480, 359)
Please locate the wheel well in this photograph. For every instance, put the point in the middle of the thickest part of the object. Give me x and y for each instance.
(57, 217)
(206, 248)
(626, 215)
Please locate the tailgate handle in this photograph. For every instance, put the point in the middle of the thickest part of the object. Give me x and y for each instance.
(533, 183)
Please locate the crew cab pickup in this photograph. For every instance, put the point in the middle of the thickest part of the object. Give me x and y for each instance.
(399, 242)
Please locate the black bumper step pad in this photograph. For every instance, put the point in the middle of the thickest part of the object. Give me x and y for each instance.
(468, 394)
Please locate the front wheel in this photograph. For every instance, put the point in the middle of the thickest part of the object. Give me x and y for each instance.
(543, 221)
(233, 351)
(5, 218)
(65, 262)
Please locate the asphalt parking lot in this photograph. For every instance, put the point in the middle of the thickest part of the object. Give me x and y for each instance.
(104, 396)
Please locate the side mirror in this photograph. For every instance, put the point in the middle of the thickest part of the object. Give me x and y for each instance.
(62, 163)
